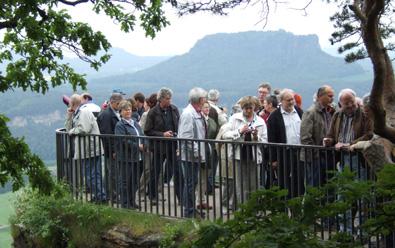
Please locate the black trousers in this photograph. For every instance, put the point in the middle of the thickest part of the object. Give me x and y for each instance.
(291, 173)
(164, 151)
(129, 174)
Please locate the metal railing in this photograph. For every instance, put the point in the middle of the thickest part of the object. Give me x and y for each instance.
(196, 178)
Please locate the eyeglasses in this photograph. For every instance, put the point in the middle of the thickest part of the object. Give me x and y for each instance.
(127, 110)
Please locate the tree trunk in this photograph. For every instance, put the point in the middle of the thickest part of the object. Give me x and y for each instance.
(382, 96)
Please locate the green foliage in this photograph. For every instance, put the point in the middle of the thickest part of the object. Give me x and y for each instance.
(37, 32)
(35, 212)
(384, 223)
(16, 160)
(171, 235)
(351, 21)
(269, 220)
(57, 220)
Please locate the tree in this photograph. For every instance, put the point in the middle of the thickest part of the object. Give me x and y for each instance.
(16, 159)
(36, 33)
(365, 27)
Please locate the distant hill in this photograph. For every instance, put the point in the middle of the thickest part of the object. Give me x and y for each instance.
(250, 57)
(121, 62)
(36, 117)
(236, 63)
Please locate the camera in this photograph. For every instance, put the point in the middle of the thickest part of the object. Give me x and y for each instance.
(250, 127)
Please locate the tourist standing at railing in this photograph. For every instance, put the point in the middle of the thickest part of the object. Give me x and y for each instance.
(162, 121)
(128, 155)
(86, 145)
(150, 102)
(284, 127)
(107, 120)
(140, 99)
(269, 104)
(313, 129)
(206, 170)
(219, 116)
(192, 125)
(87, 99)
(264, 90)
(348, 126)
(213, 99)
(246, 126)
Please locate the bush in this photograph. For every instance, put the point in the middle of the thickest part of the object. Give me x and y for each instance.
(269, 220)
(57, 220)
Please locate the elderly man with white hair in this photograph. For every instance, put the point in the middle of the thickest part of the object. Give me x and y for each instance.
(349, 125)
(220, 117)
(213, 98)
(192, 125)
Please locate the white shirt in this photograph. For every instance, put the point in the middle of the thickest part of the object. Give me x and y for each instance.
(292, 126)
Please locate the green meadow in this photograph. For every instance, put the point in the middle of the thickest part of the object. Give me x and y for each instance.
(6, 210)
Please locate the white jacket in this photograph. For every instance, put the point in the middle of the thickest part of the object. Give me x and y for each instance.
(84, 122)
(191, 126)
(236, 122)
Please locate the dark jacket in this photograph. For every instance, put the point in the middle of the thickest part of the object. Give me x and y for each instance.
(107, 120)
(155, 123)
(127, 149)
(276, 129)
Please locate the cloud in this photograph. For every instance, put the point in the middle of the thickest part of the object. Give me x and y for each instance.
(184, 31)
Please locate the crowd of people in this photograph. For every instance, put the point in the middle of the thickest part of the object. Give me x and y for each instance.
(182, 157)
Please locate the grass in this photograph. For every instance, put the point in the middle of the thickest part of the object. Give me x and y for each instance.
(5, 238)
(6, 210)
(139, 223)
(58, 218)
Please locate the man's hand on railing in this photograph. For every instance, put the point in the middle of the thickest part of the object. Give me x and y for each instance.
(168, 134)
(141, 147)
(342, 146)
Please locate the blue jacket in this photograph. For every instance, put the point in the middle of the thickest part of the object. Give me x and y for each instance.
(127, 148)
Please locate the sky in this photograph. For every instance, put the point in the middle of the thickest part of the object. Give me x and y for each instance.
(183, 32)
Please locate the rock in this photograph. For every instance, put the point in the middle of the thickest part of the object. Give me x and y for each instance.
(377, 151)
(122, 236)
